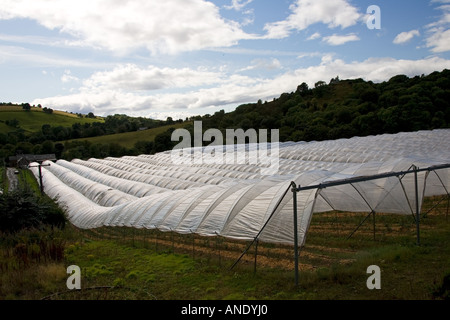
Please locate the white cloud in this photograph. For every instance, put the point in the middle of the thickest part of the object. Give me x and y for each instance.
(338, 13)
(68, 77)
(444, 18)
(238, 5)
(104, 99)
(20, 56)
(406, 36)
(133, 78)
(267, 64)
(337, 40)
(168, 26)
(438, 38)
(314, 36)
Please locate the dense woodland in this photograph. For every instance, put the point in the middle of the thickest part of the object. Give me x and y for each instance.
(330, 110)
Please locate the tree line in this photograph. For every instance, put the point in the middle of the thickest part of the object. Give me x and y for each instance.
(344, 109)
(330, 110)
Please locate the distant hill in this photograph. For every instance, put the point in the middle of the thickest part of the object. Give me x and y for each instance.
(330, 110)
(14, 117)
(128, 139)
(346, 108)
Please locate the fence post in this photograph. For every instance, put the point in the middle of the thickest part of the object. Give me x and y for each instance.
(294, 196)
(417, 205)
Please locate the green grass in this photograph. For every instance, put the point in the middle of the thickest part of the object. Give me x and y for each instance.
(128, 139)
(28, 180)
(126, 263)
(3, 179)
(32, 121)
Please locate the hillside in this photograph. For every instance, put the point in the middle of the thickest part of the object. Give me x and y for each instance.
(28, 129)
(347, 108)
(331, 110)
(127, 139)
(31, 121)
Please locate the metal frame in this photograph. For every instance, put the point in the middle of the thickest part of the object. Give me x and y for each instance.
(295, 189)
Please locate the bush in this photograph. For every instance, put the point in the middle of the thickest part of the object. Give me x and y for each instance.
(442, 291)
(22, 209)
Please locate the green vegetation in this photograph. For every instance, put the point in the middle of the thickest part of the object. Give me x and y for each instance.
(21, 209)
(347, 108)
(129, 138)
(36, 245)
(26, 208)
(3, 179)
(334, 110)
(125, 263)
(38, 130)
(13, 117)
(119, 144)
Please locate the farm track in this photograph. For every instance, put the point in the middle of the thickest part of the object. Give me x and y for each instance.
(12, 178)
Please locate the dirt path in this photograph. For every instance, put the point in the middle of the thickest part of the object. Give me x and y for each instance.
(12, 178)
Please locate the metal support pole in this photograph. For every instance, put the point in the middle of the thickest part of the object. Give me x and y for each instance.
(374, 224)
(417, 205)
(193, 245)
(173, 242)
(448, 205)
(265, 224)
(40, 165)
(294, 197)
(219, 248)
(40, 180)
(360, 224)
(256, 254)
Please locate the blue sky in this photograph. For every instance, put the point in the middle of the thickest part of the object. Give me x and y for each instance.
(187, 57)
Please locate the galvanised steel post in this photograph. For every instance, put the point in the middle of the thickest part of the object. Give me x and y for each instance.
(294, 195)
(417, 205)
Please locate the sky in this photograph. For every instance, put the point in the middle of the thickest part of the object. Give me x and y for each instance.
(181, 58)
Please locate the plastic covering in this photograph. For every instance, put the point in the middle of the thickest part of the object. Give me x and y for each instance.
(237, 200)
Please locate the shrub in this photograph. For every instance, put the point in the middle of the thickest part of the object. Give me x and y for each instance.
(442, 291)
(22, 209)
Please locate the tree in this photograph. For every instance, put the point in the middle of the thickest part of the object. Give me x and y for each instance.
(59, 148)
(25, 147)
(12, 123)
(303, 88)
(319, 84)
(144, 147)
(163, 141)
(21, 209)
(48, 147)
(334, 80)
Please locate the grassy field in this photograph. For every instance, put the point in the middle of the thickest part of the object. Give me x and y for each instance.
(128, 139)
(32, 121)
(125, 263)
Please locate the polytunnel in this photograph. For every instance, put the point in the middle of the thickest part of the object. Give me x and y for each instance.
(389, 173)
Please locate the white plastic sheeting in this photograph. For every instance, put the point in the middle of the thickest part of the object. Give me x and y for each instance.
(236, 200)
